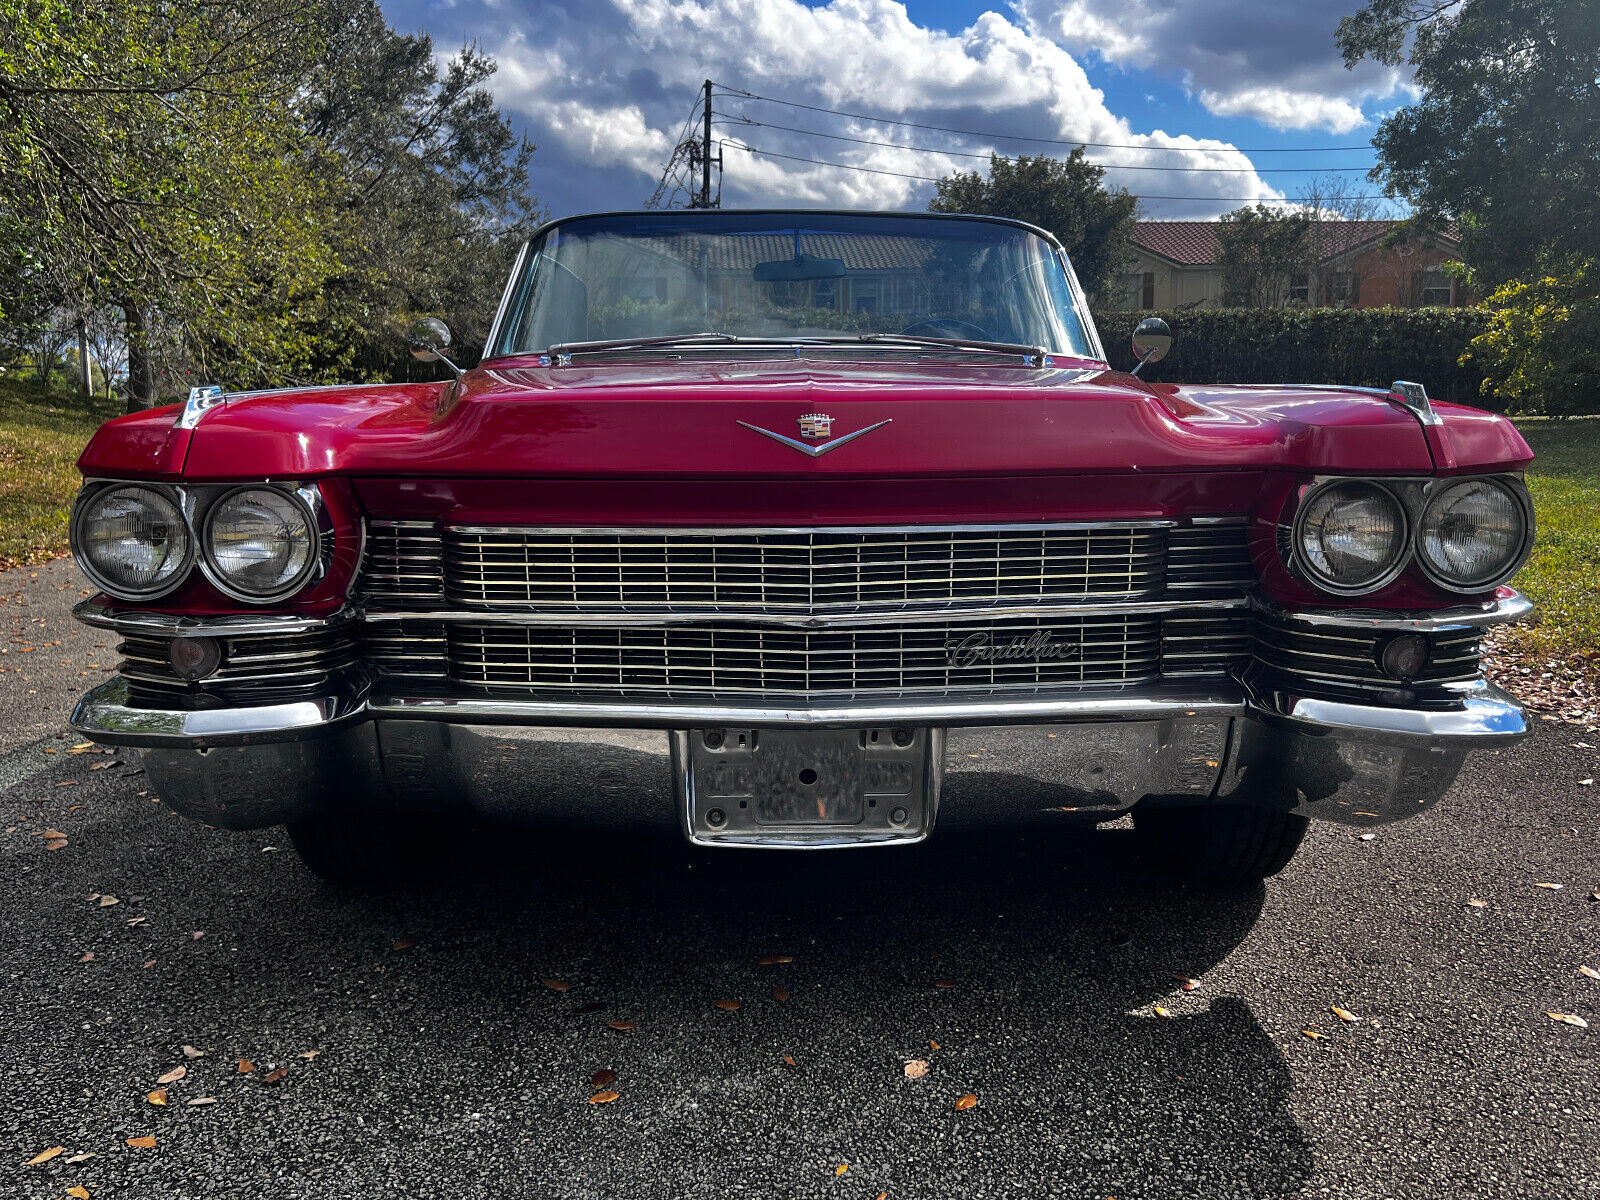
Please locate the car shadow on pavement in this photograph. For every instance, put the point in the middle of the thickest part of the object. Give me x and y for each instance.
(1024, 970)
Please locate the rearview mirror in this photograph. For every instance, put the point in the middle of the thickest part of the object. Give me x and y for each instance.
(799, 268)
(1152, 338)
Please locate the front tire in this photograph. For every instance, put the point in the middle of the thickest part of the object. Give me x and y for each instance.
(1226, 844)
(376, 850)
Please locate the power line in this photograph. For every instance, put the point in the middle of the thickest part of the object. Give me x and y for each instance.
(935, 178)
(1012, 137)
(839, 137)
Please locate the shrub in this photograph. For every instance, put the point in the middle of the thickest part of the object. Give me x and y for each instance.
(1538, 351)
(1362, 347)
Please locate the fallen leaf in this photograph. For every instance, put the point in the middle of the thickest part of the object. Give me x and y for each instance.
(45, 1156)
(1161, 1012)
(197, 935)
(143, 1143)
(555, 985)
(1586, 783)
(602, 1077)
(275, 1076)
(1568, 1019)
(843, 1167)
(1344, 1014)
(56, 844)
(916, 1068)
(1554, 887)
(191, 1052)
(966, 1102)
(108, 901)
(403, 944)
(1189, 985)
(149, 964)
(308, 1054)
(933, 1043)
(1590, 972)
(726, 1005)
(774, 959)
(789, 1058)
(88, 956)
(200, 1100)
(173, 1075)
(246, 1066)
(623, 1026)
(1311, 1033)
(604, 1097)
(159, 1096)
(78, 1158)
(80, 747)
(78, 1192)
(780, 994)
(1477, 904)
(132, 921)
(1367, 837)
(944, 983)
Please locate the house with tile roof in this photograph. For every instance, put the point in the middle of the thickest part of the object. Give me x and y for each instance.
(1175, 266)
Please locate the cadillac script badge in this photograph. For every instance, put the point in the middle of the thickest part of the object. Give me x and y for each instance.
(815, 425)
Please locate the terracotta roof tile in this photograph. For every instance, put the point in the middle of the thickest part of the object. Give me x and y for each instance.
(1194, 243)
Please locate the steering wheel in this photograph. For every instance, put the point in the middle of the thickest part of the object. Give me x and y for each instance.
(950, 327)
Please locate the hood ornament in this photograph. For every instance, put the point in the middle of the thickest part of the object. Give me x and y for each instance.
(813, 425)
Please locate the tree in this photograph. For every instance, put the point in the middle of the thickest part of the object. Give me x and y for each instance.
(1260, 252)
(1505, 139)
(1067, 197)
(1538, 351)
(1334, 197)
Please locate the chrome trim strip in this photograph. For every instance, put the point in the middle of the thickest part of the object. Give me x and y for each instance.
(1511, 607)
(155, 624)
(804, 620)
(1147, 705)
(727, 530)
(813, 451)
(505, 300)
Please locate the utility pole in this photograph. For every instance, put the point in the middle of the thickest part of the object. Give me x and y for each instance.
(702, 153)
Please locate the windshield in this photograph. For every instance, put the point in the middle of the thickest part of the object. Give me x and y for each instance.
(793, 275)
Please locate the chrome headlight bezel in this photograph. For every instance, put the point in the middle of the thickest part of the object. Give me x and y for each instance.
(168, 495)
(1301, 560)
(1435, 493)
(306, 501)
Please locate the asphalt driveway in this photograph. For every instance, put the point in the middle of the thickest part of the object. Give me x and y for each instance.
(444, 1043)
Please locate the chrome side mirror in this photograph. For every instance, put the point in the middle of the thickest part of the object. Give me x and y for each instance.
(1152, 338)
(429, 339)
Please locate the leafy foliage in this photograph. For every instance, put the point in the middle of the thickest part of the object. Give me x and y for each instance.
(1363, 347)
(1538, 351)
(1068, 197)
(1260, 251)
(1506, 137)
(267, 193)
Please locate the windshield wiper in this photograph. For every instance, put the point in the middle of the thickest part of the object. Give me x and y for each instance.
(1037, 353)
(708, 338)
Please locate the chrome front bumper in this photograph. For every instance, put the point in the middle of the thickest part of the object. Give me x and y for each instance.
(612, 765)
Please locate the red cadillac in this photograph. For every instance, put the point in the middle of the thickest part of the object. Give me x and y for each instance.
(800, 529)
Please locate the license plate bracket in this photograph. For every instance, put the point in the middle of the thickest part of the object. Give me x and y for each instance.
(808, 788)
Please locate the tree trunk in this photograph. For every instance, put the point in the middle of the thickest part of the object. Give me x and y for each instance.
(85, 379)
(141, 361)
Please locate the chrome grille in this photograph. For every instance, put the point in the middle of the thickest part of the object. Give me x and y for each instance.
(403, 562)
(406, 647)
(818, 570)
(1209, 554)
(1205, 643)
(274, 660)
(1350, 657)
(712, 659)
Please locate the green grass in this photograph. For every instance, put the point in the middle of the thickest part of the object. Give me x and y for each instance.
(41, 437)
(1563, 575)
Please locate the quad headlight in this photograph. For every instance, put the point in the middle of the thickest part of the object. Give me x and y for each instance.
(131, 541)
(259, 543)
(1351, 536)
(1473, 533)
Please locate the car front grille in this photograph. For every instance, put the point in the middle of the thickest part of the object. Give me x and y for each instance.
(1348, 657)
(273, 661)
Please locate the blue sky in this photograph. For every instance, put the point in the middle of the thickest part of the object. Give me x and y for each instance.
(603, 87)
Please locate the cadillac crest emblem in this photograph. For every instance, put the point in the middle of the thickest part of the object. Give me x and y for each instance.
(815, 425)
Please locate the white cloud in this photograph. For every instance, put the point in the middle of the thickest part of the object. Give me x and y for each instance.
(1274, 61)
(609, 83)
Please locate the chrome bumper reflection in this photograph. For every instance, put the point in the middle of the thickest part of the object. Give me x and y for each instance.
(612, 767)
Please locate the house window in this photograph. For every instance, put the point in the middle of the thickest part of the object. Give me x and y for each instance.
(1300, 288)
(1343, 290)
(1139, 288)
(1434, 287)
(827, 296)
(864, 295)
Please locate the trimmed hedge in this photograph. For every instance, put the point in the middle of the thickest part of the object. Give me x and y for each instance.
(1363, 347)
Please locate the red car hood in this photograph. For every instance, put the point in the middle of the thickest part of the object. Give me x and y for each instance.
(689, 419)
